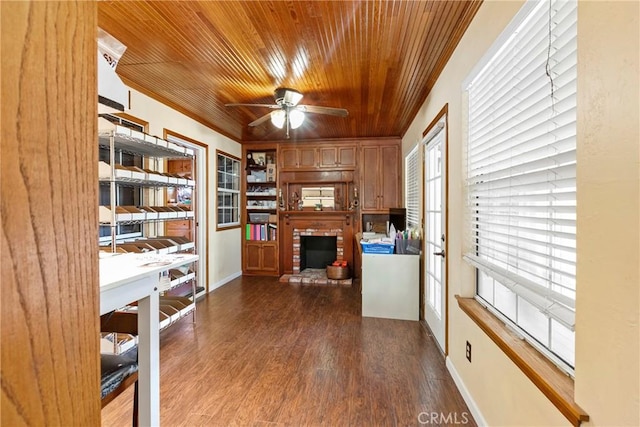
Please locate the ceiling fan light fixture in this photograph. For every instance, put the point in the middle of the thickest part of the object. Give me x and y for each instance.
(278, 118)
(286, 96)
(288, 115)
(292, 97)
(296, 117)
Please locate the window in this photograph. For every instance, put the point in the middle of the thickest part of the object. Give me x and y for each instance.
(411, 186)
(521, 177)
(131, 122)
(228, 190)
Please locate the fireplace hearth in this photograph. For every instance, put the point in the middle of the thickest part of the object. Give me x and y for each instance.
(314, 277)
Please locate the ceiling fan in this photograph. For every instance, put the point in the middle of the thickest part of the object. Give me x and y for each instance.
(287, 112)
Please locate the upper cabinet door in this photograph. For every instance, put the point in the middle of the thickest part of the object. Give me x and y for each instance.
(307, 157)
(328, 157)
(369, 171)
(380, 176)
(298, 158)
(288, 158)
(319, 156)
(323, 156)
(338, 157)
(347, 156)
(390, 193)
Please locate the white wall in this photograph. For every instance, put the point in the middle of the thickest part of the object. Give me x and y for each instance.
(607, 358)
(608, 313)
(224, 262)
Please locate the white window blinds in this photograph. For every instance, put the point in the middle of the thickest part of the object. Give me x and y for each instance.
(412, 178)
(521, 162)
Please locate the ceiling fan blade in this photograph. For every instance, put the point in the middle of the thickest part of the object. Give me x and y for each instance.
(260, 120)
(272, 106)
(340, 112)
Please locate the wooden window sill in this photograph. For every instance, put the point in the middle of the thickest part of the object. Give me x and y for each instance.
(555, 384)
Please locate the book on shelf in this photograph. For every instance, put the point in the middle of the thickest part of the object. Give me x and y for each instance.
(261, 231)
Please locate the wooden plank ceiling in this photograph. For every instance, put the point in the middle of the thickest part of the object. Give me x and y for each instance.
(377, 59)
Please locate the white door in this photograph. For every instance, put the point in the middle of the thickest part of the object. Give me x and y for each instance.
(434, 232)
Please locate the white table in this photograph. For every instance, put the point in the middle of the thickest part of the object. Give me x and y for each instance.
(125, 278)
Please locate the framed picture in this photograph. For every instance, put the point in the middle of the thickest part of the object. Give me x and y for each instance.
(259, 158)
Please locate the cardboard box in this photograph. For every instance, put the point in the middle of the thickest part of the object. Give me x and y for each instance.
(271, 172)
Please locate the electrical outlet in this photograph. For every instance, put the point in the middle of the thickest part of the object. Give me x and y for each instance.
(468, 351)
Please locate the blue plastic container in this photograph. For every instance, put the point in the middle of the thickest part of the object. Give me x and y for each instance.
(377, 248)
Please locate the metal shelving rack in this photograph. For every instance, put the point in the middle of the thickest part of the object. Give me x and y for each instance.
(115, 137)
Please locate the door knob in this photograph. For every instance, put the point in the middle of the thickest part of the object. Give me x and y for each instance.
(441, 253)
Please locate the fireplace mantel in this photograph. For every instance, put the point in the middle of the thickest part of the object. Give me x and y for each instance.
(320, 216)
(312, 222)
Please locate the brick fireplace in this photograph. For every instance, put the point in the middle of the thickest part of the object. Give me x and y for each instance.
(309, 232)
(295, 224)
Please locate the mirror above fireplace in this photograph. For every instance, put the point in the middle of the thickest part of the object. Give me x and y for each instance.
(318, 198)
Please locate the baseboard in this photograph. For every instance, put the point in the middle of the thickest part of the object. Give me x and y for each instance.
(224, 281)
(475, 412)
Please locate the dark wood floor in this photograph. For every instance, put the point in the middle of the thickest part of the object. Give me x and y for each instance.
(270, 353)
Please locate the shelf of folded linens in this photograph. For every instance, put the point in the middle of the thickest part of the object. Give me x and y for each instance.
(159, 245)
(140, 214)
(133, 175)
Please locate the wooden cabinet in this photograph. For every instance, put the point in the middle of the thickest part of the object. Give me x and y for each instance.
(179, 167)
(179, 228)
(298, 157)
(318, 156)
(260, 257)
(380, 176)
(288, 158)
(259, 211)
(307, 157)
(373, 167)
(337, 156)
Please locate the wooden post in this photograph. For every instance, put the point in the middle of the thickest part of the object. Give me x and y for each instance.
(50, 329)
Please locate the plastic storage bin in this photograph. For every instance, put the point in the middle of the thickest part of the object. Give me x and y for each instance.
(377, 248)
(259, 217)
(408, 246)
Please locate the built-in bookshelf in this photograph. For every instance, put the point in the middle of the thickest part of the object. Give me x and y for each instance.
(260, 213)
